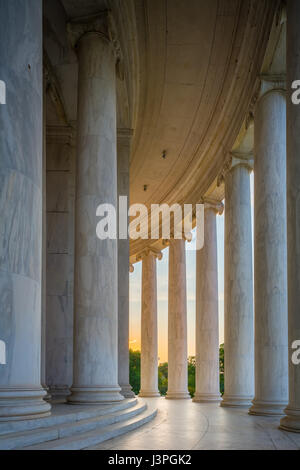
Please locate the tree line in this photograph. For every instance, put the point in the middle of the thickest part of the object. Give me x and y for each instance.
(135, 372)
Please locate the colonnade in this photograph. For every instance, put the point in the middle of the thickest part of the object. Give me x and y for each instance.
(258, 341)
(261, 319)
(96, 262)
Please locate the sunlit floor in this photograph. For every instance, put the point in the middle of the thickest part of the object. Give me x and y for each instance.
(184, 425)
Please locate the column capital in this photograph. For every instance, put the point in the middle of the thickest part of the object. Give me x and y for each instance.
(103, 25)
(213, 204)
(98, 23)
(272, 83)
(232, 161)
(185, 236)
(149, 252)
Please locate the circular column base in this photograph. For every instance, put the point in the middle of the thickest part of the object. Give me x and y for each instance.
(126, 391)
(236, 401)
(149, 394)
(207, 398)
(94, 395)
(291, 422)
(264, 408)
(17, 404)
(177, 395)
(59, 394)
(47, 397)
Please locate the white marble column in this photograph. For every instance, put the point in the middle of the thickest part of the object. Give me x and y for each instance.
(95, 368)
(270, 263)
(123, 150)
(238, 311)
(291, 422)
(177, 322)
(207, 310)
(149, 351)
(21, 194)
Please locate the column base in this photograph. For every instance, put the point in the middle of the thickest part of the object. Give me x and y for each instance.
(149, 394)
(47, 397)
(126, 391)
(291, 422)
(207, 398)
(94, 395)
(236, 401)
(177, 395)
(264, 408)
(18, 404)
(59, 394)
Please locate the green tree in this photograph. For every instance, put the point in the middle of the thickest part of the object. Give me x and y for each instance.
(163, 378)
(221, 362)
(135, 370)
(192, 375)
(135, 373)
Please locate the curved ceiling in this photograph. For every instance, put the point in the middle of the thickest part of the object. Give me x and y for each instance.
(191, 70)
(201, 65)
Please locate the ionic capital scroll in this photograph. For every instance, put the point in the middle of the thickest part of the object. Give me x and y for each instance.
(149, 252)
(213, 204)
(272, 83)
(187, 236)
(234, 160)
(103, 25)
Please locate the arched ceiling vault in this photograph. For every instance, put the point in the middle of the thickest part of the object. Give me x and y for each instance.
(191, 70)
(202, 68)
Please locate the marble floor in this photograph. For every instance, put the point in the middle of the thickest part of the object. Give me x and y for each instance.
(184, 425)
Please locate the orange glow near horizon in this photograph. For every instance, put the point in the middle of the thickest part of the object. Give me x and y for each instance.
(162, 299)
(135, 345)
(162, 294)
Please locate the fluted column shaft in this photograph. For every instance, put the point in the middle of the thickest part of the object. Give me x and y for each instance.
(123, 150)
(238, 314)
(270, 270)
(95, 377)
(149, 350)
(291, 422)
(177, 322)
(207, 312)
(21, 194)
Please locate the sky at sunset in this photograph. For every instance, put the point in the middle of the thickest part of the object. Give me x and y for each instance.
(162, 295)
